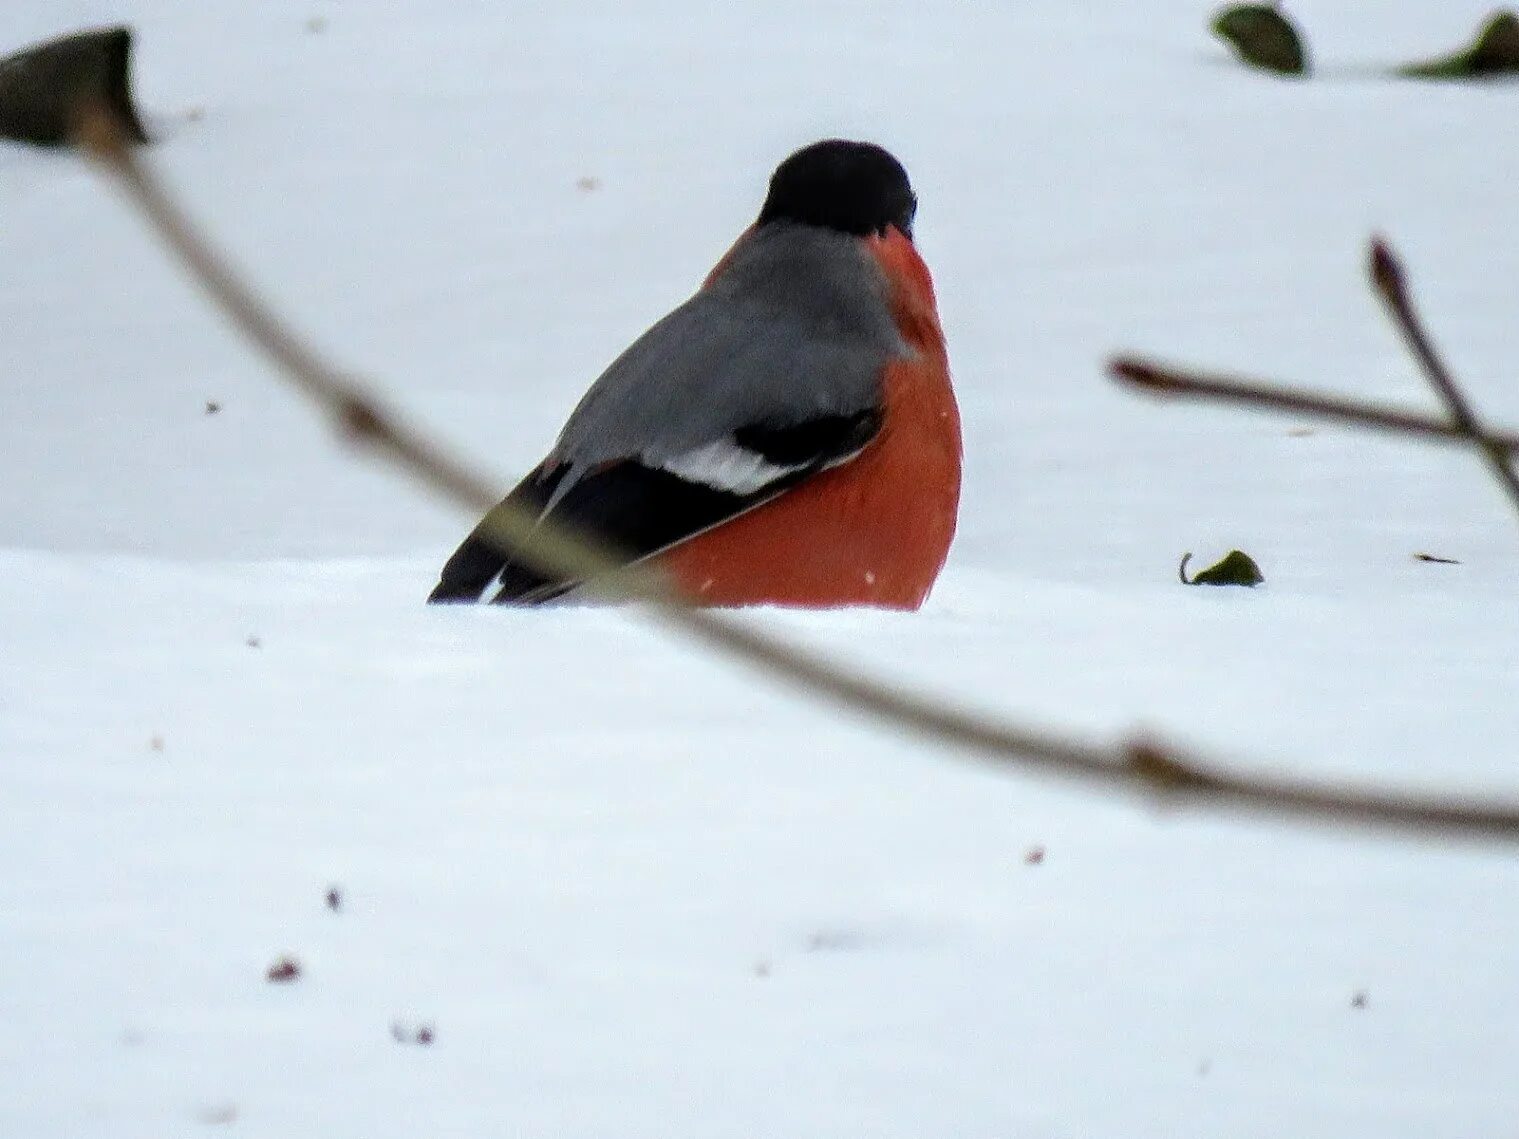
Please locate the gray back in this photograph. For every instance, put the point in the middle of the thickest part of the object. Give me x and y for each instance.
(797, 325)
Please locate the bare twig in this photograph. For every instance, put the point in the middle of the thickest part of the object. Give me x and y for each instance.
(1392, 286)
(1138, 767)
(1167, 380)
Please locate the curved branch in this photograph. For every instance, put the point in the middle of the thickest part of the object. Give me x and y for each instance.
(1137, 767)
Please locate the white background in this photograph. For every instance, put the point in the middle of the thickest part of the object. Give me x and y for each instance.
(638, 893)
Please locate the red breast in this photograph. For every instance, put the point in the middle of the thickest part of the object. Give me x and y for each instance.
(875, 531)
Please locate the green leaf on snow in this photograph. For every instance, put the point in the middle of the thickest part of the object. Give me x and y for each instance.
(1262, 37)
(1237, 568)
(1495, 52)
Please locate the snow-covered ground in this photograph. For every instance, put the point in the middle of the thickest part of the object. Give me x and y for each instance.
(630, 891)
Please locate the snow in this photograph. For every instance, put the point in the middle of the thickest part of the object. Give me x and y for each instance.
(636, 892)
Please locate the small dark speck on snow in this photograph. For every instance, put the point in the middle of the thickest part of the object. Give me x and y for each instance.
(219, 1115)
(423, 1034)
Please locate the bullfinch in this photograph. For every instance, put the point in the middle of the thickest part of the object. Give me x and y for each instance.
(788, 436)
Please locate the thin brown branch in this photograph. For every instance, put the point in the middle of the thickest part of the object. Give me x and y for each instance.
(1140, 768)
(1392, 286)
(1167, 380)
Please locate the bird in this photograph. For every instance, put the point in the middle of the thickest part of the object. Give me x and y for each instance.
(788, 436)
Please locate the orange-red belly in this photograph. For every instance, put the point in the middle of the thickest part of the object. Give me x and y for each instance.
(875, 531)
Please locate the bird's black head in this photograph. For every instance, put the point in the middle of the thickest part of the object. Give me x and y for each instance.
(854, 187)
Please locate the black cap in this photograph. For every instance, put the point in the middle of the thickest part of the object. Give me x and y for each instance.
(854, 187)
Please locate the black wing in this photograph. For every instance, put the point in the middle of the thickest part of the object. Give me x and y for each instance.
(635, 510)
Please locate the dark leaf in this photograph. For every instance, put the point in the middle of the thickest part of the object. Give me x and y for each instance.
(1237, 568)
(1262, 37)
(1494, 52)
(44, 89)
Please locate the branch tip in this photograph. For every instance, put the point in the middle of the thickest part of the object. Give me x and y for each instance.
(1387, 271)
(1390, 279)
(1128, 369)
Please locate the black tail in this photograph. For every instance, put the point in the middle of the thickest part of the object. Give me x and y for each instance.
(474, 566)
(478, 562)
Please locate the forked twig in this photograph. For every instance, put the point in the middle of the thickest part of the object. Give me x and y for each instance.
(1392, 286)
(1137, 767)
